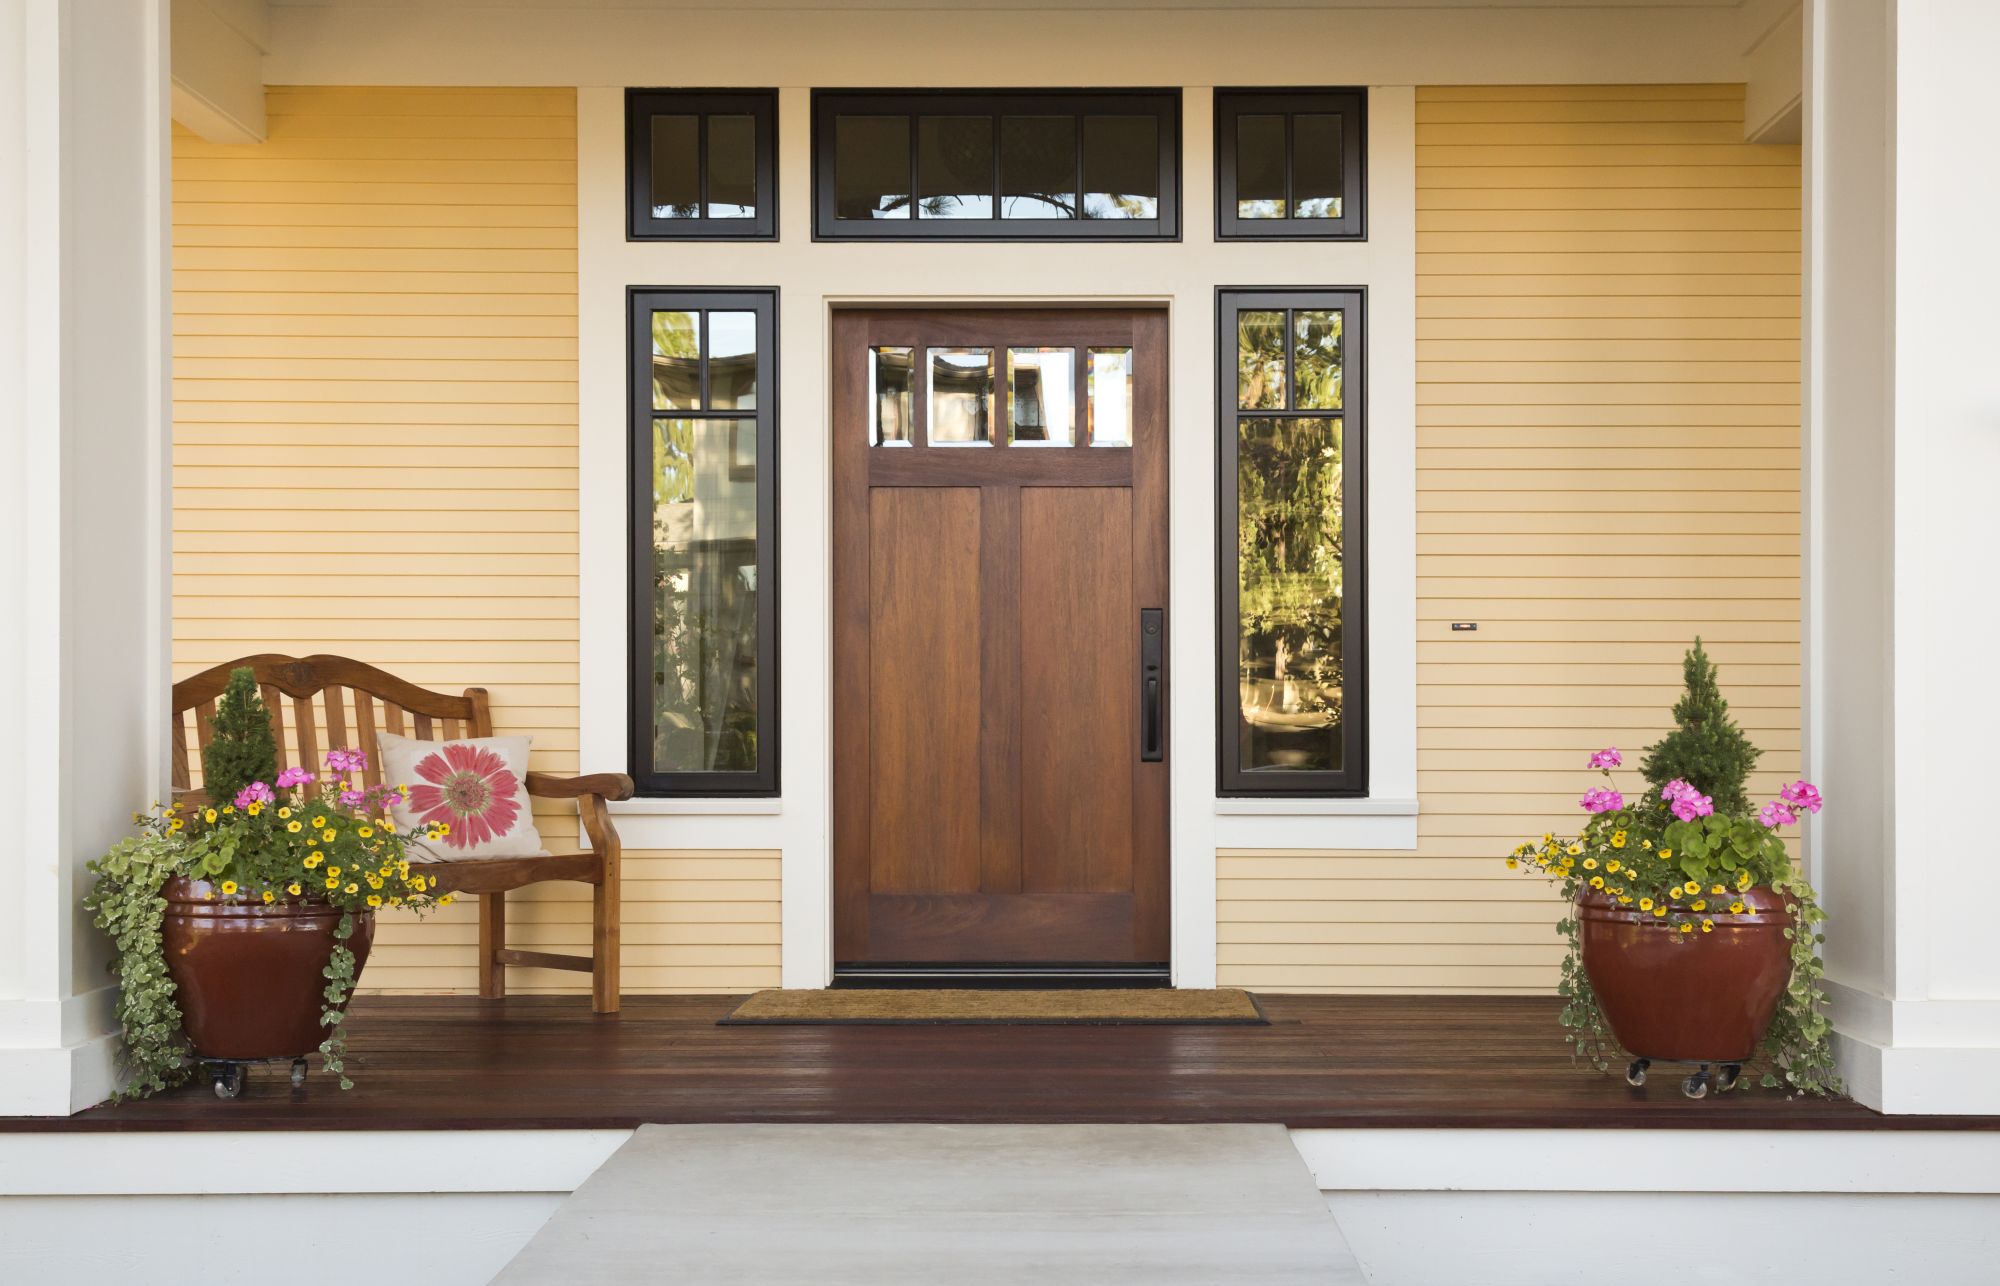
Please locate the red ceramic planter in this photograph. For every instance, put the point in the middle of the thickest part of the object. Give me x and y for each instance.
(1689, 998)
(250, 977)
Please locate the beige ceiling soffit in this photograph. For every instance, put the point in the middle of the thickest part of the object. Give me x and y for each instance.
(1773, 93)
(218, 68)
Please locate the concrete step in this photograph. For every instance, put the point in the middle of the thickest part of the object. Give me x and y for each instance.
(927, 1205)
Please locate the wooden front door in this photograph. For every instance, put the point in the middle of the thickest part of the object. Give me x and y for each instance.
(1000, 595)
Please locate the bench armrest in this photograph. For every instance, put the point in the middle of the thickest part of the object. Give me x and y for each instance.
(605, 785)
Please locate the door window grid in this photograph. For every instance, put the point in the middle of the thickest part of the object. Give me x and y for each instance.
(1037, 397)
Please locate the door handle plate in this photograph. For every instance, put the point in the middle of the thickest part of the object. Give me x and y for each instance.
(1152, 685)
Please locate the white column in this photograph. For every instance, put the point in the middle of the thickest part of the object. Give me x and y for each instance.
(83, 509)
(1903, 460)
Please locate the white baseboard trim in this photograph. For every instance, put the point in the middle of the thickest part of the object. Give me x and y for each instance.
(58, 1080)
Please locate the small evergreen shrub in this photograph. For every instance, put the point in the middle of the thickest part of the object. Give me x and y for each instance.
(1706, 749)
(241, 749)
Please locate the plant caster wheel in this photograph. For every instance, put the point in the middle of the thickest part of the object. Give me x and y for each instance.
(1696, 1086)
(298, 1073)
(1636, 1073)
(227, 1079)
(1726, 1076)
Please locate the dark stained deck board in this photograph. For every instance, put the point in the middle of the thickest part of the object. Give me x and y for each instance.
(540, 1062)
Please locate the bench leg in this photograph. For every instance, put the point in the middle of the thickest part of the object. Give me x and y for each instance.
(492, 939)
(604, 911)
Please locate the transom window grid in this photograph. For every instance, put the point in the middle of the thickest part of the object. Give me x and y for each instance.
(1330, 408)
(760, 106)
(983, 124)
(1002, 401)
(1350, 105)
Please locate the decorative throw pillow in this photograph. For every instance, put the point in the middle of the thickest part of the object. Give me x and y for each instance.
(478, 786)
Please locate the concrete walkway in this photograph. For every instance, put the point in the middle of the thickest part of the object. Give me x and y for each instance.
(884, 1205)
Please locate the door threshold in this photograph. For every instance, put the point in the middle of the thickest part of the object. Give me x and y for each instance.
(1026, 976)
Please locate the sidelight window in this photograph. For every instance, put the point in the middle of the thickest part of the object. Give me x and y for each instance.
(701, 164)
(1292, 619)
(1290, 164)
(1019, 165)
(703, 569)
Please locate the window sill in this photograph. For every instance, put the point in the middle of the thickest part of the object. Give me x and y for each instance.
(1318, 825)
(699, 806)
(1282, 806)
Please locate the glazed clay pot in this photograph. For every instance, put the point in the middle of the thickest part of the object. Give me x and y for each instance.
(250, 977)
(1690, 998)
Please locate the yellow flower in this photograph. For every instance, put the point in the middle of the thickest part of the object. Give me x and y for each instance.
(445, 827)
(229, 808)
(375, 882)
(1699, 904)
(352, 888)
(403, 790)
(269, 897)
(293, 827)
(395, 901)
(1742, 880)
(1666, 854)
(1574, 848)
(328, 835)
(1708, 926)
(1612, 866)
(333, 872)
(314, 858)
(293, 888)
(1645, 843)
(445, 900)
(254, 809)
(1718, 889)
(1645, 904)
(1692, 886)
(332, 883)
(365, 832)
(1687, 928)
(208, 816)
(1624, 900)
(1513, 863)
(1548, 837)
(1674, 893)
(1736, 908)
(175, 824)
(284, 813)
(374, 899)
(1659, 911)
(228, 887)
(1618, 839)
(318, 822)
(1597, 881)
(1589, 863)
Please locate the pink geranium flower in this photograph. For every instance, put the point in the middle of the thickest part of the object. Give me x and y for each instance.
(471, 789)
(1775, 814)
(1802, 795)
(1687, 802)
(255, 793)
(1596, 800)
(346, 761)
(294, 777)
(1607, 758)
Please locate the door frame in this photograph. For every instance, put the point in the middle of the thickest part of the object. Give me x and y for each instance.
(1159, 454)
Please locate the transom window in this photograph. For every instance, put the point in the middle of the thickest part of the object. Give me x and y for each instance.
(1000, 397)
(1019, 165)
(704, 714)
(1290, 164)
(1293, 644)
(700, 164)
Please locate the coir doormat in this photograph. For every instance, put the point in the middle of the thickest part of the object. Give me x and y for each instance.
(914, 1006)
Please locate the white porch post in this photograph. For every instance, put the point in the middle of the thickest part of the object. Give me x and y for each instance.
(1903, 459)
(83, 504)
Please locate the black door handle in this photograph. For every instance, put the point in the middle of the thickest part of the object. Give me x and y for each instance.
(1152, 685)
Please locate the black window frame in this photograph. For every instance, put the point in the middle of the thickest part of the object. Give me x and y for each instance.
(642, 302)
(1351, 780)
(641, 105)
(1351, 104)
(1164, 105)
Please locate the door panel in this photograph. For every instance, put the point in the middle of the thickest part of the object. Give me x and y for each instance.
(990, 802)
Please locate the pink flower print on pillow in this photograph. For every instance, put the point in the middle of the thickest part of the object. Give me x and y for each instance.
(471, 789)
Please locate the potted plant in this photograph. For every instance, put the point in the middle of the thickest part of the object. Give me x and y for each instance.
(242, 922)
(1692, 936)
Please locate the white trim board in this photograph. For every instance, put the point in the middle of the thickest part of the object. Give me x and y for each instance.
(812, 279)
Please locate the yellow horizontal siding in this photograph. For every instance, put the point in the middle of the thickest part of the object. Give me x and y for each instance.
(375, 455)
(1607, 454)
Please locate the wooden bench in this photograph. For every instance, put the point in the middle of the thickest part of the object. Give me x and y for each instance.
(346, 716)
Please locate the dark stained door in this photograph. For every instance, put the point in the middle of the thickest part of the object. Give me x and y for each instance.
(1000, 590)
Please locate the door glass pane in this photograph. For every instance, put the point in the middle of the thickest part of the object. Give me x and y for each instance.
(955, 167)
(871, 167)
(891, 376)
(1121, 167)
(732, 361)
(1038, 167)
(675, 169)
(1111, 397)
(1290, 657)
(961, 407)
(1316, 365)
(732, 167)
(676, 362)
(1041, 396)
(1317, 174)
(704, 596)
(1260, 360)
(1260, 167)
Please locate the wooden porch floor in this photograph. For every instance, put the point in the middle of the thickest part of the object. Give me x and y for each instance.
(450, 1062)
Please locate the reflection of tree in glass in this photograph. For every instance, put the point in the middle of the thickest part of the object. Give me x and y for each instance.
(1289, 586)
(1316, 364)
(1260, 360)
(676, 361)
(704, 622)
